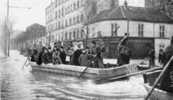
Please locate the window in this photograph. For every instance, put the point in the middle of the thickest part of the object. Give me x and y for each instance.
(82, 33)
(74, 6)
(66, 23)
(78, 19)
(81, 17)
(70, 21)
(66, 35)
(55, 3)
(56, 14)
(140, 30)
(70, 36)
(58, 25)
(74, 35)
(78, 4)
(74, 20)
(162, 31)
(114, 29)
(77, 34)
(71, 7)
(61, 12)
(63, 24)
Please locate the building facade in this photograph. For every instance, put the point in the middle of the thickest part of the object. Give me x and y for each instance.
(138, 22)
(65, 19)
(71, 20)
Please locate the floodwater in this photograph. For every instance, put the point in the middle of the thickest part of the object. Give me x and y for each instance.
(19, 83)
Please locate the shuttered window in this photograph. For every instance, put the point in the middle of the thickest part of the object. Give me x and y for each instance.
(162, 31)
(114, 29)
(140, 30)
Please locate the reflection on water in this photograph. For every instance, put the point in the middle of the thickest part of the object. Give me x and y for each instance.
(19, 83)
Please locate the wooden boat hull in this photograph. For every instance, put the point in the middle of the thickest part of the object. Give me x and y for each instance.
(92, 73)
(159, 94)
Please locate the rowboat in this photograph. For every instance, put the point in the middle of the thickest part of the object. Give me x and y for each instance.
(91, 73)
(157, 94)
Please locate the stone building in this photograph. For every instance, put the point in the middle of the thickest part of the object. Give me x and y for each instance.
(137, 21)
(65, 19)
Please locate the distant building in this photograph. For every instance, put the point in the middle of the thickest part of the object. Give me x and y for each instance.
(65, 19)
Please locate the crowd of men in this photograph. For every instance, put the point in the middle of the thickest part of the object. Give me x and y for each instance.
(58, 55)
(89, 56)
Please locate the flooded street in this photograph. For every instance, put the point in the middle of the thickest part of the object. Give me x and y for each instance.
(19, 83)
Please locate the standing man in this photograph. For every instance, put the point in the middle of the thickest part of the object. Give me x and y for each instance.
(63, 55)
(124, 52)
(161, 56)
(83, 58)
(151, 55)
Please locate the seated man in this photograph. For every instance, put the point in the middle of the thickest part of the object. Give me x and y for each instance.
(34, 56)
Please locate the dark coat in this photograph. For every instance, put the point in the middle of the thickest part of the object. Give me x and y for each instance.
(49, 57)
(39, 61)
(56, 58)
(76, 56)
(83, 59)
(45, 58)
(124, 54)
(99, 61)
(34, 56)
(63, 57)
(151, 56)
(162, 57)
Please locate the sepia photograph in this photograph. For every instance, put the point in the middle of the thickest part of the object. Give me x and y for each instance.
(86, 49)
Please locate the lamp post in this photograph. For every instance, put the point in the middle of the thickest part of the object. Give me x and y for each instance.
(8, 40)
(7, 30)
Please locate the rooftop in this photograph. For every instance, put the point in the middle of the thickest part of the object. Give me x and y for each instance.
(132, 13)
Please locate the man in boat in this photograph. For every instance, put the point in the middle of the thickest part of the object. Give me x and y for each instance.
(151, 56)
(83, 59)
(39, 61)
(124, 52)
(99, 58)
(63, 55)
(45, 56)
(49, 54)
(70, 54)
(92, 54)
(34, 56)
(76, 55)
(161, 56)
(56, 56)
(93, 51)
(166, 82)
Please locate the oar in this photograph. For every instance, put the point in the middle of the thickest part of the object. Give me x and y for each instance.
(83, 72)
(111, 79)
(158, 79)
(25, 63)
